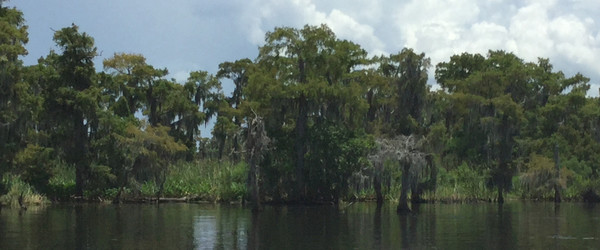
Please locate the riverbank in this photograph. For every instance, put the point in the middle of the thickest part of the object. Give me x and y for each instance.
(212, 181)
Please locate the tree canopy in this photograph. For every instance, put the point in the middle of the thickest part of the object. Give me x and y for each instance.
(314, 116)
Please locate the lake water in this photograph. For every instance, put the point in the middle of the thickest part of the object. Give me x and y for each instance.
(524, 225)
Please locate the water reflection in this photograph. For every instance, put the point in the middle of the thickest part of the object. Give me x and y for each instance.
(377, 232)
(221, 228)
(359, 226)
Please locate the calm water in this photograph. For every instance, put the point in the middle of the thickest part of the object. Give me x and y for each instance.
(359, 226)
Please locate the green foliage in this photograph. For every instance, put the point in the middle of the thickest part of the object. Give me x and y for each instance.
(463, 183)
(19, 193)
(580, 180)
(334, 154)
(540, 177)
(470, 182)
(100, 177)
(67, 130)
(34, 164)
(15, 112)
(61, 186)
(207, 180)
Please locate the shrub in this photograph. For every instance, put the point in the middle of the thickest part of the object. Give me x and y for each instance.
(19, 193)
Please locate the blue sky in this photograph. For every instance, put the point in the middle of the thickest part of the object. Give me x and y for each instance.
(186, 35)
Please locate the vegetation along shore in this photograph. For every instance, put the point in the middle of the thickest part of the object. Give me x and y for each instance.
(312, 119)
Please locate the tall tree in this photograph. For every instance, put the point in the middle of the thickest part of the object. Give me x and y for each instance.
(308, 75)
(205, 92)
(149, 151)
(13, 110)
(72, 98)
(407, 151)
(407, 73)
(230, 117)
(131, 74)
(257, 144)
(485, 98)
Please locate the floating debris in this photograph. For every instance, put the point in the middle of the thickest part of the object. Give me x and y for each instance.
(560, 237)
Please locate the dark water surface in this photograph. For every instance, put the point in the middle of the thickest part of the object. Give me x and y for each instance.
(523, 225)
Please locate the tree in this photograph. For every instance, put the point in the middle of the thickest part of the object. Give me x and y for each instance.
(131, 74)
(183, 116)
(72, 98)
(204, 90)
(486, 96)
(149, 151)
(407, 73)
(308, 75)
(14, 110)
(407, 152)
(238, 72)
(136, 85)
(257, 144)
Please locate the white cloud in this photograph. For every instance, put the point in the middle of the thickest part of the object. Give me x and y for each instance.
(529, 29)
(574, 39)
(567, 34)
(346, 27)
(300, 12)
(185, 35)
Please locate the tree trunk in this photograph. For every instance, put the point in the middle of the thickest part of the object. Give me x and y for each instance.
(79, 181)
(131, 104)
(236, 150)
(152, 117)
(256, 145)
(161, 186)
(221, 146)
(372, 108)
(377, 187)
(416, 194)
(117, 199)
(79, 152)
(500, 196)
(403, 202)
(557, 198)
(254, 191)
(300, 146)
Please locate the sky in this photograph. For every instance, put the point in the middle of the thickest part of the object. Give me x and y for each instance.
(186, 35)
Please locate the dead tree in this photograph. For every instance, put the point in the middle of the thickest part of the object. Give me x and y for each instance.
(256, 146)
(406, 150)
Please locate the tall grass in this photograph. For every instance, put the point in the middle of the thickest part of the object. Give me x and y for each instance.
(461, 184)
(62, 183)
(203, 180)
(19, 193)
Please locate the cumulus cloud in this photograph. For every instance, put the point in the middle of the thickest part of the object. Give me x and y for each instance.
(567, 34)
(347, 27)
(185, 35)
(297, 13)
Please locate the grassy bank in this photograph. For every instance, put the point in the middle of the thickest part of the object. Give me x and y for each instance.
(207, 180)
(223, 181)
(466, 184)
(19, 194)
(203, 180)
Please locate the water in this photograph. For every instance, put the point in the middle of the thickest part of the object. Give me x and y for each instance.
(523, 225)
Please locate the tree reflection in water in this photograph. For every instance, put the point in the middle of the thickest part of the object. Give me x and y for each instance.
(525, 225)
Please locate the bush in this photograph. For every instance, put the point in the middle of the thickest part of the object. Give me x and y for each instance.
(471, 183)
(19, 193)
(462, 183)
(206, 180)
(62, 183)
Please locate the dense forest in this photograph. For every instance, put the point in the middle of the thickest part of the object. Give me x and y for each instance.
(312, 119)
